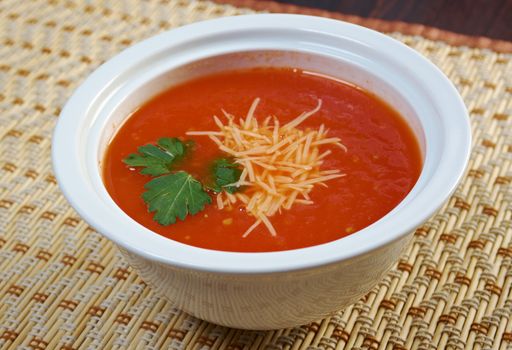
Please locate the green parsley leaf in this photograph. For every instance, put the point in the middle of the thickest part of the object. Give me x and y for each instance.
(174, 196)
(157, 159)
(225, 173)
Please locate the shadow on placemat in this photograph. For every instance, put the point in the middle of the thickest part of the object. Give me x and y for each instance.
(63, 286)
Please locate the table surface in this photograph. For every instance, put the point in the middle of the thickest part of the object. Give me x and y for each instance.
(489, 18)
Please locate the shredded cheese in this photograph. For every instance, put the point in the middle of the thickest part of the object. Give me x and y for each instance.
(281, 164)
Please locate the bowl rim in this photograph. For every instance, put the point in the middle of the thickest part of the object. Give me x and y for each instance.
(69, 167)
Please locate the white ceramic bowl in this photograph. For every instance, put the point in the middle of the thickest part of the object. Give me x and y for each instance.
(275, 289)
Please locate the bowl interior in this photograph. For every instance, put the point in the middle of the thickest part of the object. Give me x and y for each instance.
(316, 64)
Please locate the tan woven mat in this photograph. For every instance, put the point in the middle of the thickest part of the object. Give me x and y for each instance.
(63, 286)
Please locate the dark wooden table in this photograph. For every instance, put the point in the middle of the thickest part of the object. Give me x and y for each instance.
(490, 18)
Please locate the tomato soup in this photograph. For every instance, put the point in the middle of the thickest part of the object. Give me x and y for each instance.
(381, 164)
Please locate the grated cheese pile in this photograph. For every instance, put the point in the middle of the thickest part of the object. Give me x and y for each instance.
(281, 163)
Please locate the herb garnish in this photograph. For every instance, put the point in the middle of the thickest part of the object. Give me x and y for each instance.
(172, 193)
(226, 172)
(157, 159)
(175, 195)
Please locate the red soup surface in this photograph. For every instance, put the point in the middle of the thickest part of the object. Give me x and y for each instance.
(382, 164)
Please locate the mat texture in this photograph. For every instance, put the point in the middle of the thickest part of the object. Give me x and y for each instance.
(63, 286)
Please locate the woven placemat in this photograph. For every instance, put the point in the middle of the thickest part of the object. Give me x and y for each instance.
(63, 286)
